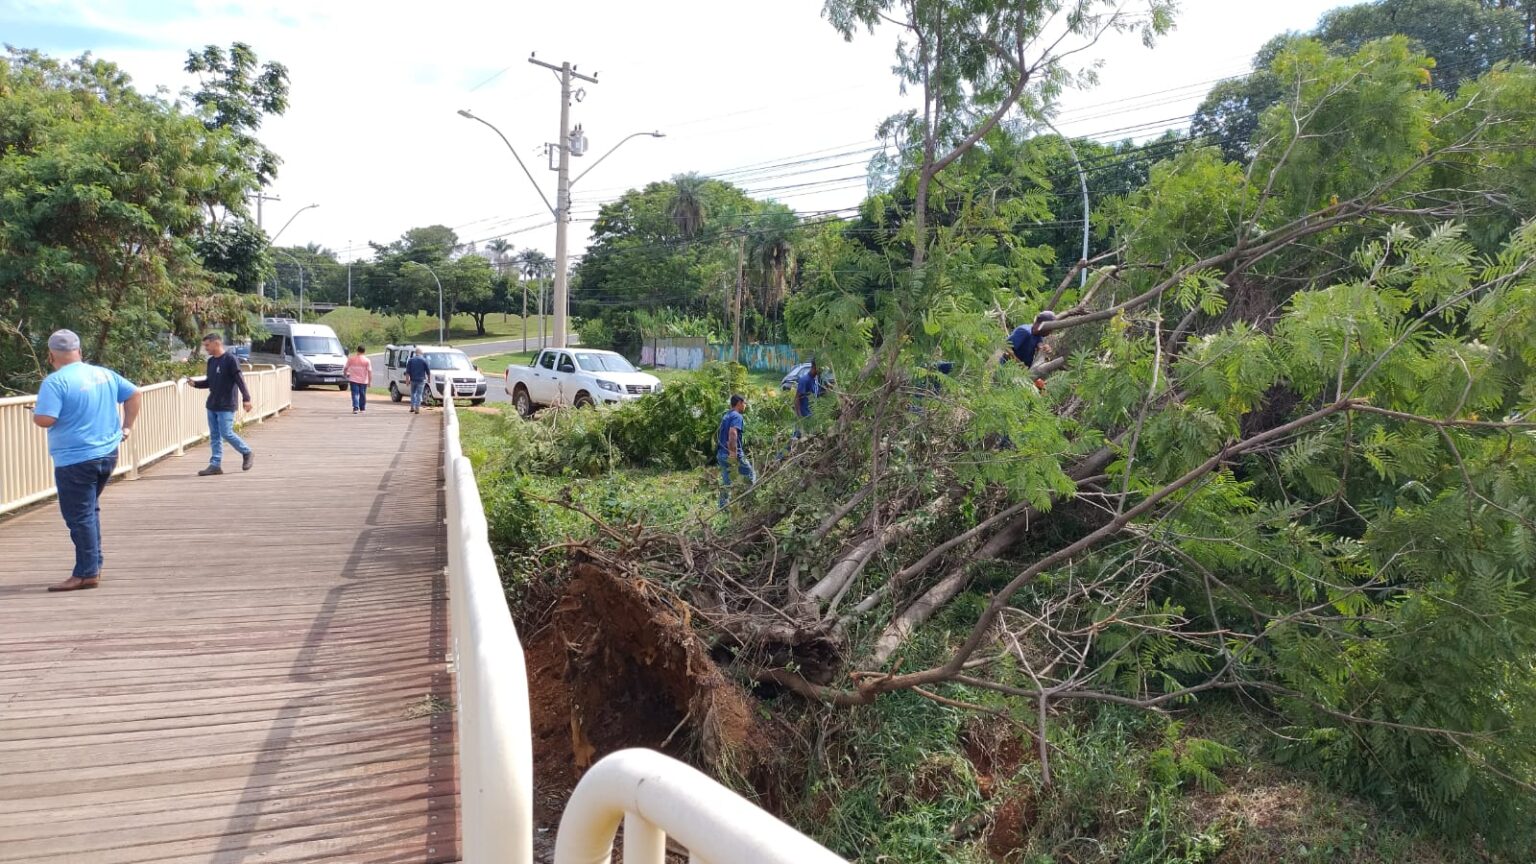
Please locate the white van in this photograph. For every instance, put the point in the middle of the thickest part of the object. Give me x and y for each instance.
(312, 350)
(450, 372)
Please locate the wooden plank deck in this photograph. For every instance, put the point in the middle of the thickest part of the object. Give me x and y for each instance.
(259, 676)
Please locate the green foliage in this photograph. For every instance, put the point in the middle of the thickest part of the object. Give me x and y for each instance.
(237, 250)
(103, 194)
(672, 429)
(1442, 29)
(234, 94)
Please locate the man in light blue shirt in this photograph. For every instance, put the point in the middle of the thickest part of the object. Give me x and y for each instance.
(77, 404)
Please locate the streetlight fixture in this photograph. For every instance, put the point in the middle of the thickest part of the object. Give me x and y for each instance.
(439, 299)
(562, 209)
(600, 159)
(261, 293)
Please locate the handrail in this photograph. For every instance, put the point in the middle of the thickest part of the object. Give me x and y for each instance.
(656, 796)
(495, 735)
(653, 795)
(170, 418)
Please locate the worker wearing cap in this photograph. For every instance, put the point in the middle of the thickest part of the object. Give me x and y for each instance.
(1026, 339)
(77, 404)
(808, 384)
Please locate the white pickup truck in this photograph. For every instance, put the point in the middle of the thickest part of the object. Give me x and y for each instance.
(576, 376)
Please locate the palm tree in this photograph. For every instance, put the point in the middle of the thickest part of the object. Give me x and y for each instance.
(534, 265)
(687, 207)
(772, 254)
(499, 247)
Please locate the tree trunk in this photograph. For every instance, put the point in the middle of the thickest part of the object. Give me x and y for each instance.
(741, 264)
(923, 608)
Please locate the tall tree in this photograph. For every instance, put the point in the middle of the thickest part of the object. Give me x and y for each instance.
(236, 92)
(106, 191)
(1466, 38)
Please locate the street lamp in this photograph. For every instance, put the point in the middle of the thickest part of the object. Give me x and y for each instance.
(261, 293)
(562, 209)
(301, 279)
(600, 159)
(439, 299)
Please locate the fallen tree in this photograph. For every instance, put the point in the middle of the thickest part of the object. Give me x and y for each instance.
(1286, 451)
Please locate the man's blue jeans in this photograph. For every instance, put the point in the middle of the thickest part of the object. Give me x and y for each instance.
(418, 388)
(743, 466)
(221, 428)
(359, 397)
(80, 488)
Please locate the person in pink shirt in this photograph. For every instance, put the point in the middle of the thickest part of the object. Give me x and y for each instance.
(359, 374)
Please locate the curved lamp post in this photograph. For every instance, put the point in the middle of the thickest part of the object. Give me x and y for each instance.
(261, 291)
(300, 265)
(439, 298)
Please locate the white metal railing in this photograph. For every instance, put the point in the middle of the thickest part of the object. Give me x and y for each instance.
(652, 795)
(495, 738)
(171, 416)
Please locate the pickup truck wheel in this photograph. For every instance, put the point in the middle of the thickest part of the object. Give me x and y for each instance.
(394, 393)
(583, 400)
(522, 403)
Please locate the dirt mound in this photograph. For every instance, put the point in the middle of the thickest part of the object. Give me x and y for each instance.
(616, 664)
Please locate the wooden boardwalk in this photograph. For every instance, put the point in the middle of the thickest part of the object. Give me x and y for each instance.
(259, 676)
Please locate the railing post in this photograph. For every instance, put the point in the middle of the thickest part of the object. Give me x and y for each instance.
(180, 410)
(644, 843)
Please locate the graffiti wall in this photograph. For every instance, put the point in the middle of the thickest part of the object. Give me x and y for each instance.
(693, 353)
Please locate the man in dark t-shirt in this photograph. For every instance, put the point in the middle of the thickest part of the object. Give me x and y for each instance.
(416, 371)
(1026, 339)
(223, 379)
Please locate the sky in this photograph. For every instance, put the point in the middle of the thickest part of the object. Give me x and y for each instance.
(373, 137)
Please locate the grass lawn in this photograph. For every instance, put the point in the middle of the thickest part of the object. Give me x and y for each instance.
(496, 364)
(461, 330)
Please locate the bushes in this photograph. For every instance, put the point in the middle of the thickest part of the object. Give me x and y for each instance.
(674, 429)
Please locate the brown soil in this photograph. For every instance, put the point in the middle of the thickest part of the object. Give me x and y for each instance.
(617, 665)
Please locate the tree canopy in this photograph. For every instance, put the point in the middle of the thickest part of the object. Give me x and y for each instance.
(106, 195)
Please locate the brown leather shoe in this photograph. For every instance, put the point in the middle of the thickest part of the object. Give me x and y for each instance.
(74, 583)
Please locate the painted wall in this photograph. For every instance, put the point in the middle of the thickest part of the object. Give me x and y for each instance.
(692, 353)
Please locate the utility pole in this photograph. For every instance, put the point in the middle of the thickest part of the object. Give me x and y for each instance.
(349, 272)
(260, 196)
(566, 71)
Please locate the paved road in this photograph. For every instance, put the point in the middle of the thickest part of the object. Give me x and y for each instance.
(493, 390)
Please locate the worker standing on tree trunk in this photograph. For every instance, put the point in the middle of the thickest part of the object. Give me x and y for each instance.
(730, 439)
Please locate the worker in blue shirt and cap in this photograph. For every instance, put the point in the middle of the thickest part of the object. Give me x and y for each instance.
(1026, 339)
(806, 386)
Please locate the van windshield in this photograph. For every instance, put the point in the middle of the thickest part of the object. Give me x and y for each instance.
(318, 345)
(449, 360)
(593, 362)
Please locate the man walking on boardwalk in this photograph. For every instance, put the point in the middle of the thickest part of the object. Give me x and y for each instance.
(730, 439)
(416, 371)
(223, 378)
(77, 404)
